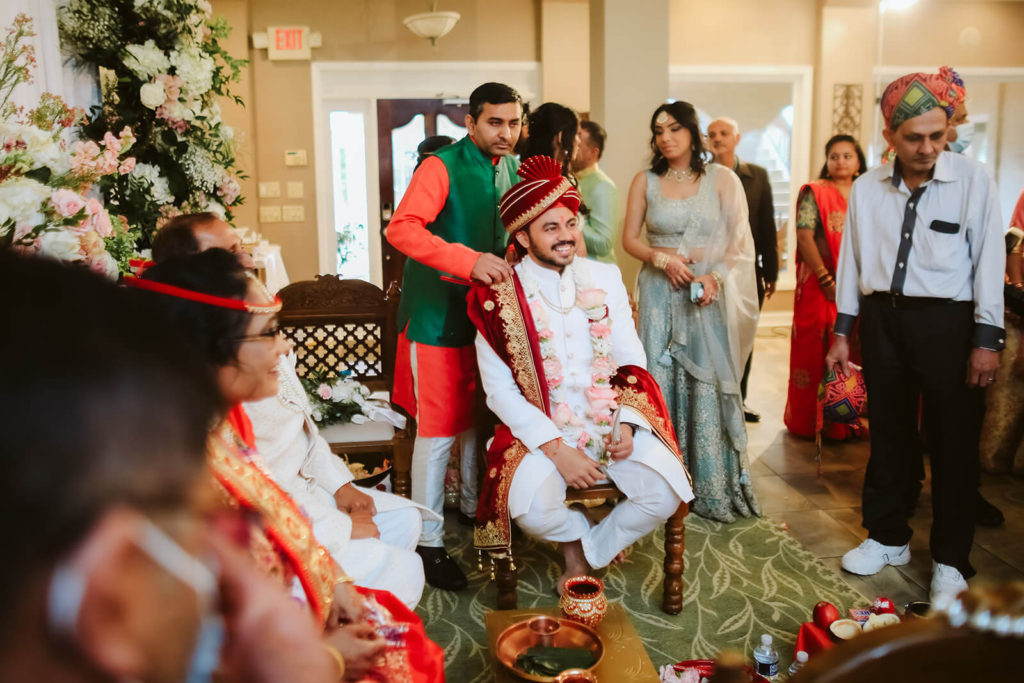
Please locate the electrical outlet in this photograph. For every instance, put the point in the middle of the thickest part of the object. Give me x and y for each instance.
(270, 190)
(293, 213)
(295, 189)
(270, 214)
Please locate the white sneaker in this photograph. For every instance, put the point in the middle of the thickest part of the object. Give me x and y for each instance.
(871, 556)
(947, 582)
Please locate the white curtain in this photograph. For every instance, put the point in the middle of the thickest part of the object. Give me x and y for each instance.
(53, 73)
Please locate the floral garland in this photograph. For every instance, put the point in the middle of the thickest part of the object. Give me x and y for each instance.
(48, 204)
(161, 71)
(601, 398)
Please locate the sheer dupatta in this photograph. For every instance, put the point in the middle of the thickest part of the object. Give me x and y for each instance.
(725, 246)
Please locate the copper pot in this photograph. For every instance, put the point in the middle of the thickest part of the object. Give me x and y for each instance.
(576, 676)
(583, 600)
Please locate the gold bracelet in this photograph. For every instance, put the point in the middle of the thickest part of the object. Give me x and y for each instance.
(823, 270)
(660, 260)
(345, 578)
(339, 660)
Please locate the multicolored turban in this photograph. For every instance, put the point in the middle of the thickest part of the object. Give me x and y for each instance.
(543, 186)
(914, 94)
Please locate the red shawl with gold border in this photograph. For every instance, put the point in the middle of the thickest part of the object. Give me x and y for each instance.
(501, 314)
(229, 457)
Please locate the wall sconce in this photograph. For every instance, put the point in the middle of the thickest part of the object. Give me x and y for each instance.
(433, 24)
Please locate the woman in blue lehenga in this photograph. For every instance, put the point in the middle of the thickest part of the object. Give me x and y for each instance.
(698, 304)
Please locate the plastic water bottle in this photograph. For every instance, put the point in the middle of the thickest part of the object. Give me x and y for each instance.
(801, 659)
(766, 658)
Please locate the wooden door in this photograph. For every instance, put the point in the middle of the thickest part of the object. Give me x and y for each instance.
(401, 126)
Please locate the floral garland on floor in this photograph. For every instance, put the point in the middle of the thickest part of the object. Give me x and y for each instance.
(47, 202)
(601, 398)
(162, 70)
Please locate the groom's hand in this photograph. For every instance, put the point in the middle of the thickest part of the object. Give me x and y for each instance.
(624, 448)
(576, 468)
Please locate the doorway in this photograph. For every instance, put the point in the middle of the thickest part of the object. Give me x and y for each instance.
(401, 126)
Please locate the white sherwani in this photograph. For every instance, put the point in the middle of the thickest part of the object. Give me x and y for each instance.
(652, 478)
(303, 465)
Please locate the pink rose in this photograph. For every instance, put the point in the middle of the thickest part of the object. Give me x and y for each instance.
(324, 392)
(583, 441)
(67, 203)
(127, 166)
(603, 417)
(111, 142)
(546, 333)
(537, 309)
(552, 367)
(101, 223)
(562, 415)
(91, 244)
(590, 298)
(103, 264)
(600, 330)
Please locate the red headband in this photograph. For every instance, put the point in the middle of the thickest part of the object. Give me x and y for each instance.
(200, 297)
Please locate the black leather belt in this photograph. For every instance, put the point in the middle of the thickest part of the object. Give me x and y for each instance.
(900, 301)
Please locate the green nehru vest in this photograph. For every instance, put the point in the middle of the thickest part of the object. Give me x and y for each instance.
(435, 310)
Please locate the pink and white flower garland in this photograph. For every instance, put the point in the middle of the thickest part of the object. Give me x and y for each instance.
(601, 398)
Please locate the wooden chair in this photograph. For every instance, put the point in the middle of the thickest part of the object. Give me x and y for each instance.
(505, 571)
(349, 325)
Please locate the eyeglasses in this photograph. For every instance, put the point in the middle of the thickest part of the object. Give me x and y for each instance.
(269, 334)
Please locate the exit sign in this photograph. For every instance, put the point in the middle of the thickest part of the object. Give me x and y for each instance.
(289, 42)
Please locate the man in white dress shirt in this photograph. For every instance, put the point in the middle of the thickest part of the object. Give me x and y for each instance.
(556, 397)
(922, 263)
(371, 534)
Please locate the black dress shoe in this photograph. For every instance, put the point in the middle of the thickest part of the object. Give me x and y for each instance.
(987, 514)
(751, 415)
(466, 520)
(440, 569)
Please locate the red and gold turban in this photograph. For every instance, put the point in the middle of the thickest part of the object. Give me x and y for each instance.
(543, 186)
(914, 94)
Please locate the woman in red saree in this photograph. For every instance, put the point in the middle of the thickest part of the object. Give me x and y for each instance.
(232, 319)
(821, 215)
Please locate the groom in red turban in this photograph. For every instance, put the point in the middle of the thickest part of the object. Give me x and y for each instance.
(564, 371)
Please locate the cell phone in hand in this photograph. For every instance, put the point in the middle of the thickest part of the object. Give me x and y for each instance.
(696, 291)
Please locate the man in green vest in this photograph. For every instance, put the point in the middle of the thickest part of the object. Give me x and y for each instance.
(448, 224)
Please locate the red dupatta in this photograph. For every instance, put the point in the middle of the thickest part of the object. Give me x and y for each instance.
(229, 457)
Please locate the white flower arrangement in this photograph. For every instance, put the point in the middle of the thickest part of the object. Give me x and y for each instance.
(162, 70)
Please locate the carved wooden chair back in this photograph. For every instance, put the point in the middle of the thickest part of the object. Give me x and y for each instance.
(342, 325)
(348, 326)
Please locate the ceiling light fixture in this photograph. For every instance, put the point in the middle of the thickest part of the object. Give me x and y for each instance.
(433, 24)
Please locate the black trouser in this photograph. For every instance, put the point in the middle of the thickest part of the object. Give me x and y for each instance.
(915, 347)
(746, 370)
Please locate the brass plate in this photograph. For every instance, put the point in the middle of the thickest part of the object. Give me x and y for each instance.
(518, 637)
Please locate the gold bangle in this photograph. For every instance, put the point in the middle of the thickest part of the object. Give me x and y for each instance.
(823, 270)
(344, 578)
(660, 260)
(338, 659)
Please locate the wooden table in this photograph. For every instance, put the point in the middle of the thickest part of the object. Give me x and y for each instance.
(625, 658)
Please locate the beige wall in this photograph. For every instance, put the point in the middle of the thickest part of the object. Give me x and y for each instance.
(742, 31)
(279, 113)
(836, 37)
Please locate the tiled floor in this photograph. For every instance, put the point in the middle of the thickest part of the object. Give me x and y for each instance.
(824, 513)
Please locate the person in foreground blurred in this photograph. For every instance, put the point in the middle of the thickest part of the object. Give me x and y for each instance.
(559, 358)
(371, 534)
(821, 215)
(930, 300)
(599, 193)
(698, 304)
(230, 318)
(113, 574)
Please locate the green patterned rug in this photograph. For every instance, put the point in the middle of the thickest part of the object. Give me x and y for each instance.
(741, 580)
